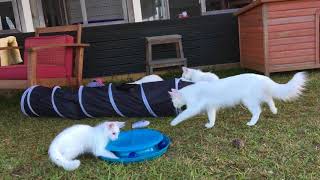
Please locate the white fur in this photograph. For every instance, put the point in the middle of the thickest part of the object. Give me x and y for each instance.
(80, 139)
(149, 78)
(195, 75)
(249, 89)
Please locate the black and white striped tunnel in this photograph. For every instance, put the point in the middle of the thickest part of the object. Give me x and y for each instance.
(125, 100)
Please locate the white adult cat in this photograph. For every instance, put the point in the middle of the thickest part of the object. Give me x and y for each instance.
(149, 78)
(79, 139)
(195, 75)
(249, 89)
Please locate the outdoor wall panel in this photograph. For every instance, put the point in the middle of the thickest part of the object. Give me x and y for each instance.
(206, 40)
(120, 49)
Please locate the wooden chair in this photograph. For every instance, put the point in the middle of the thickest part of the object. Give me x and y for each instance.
(152, 64)
(48, 60)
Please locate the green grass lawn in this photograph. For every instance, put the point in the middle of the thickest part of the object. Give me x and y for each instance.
(283, 146)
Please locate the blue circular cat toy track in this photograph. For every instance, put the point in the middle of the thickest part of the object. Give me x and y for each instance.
(138, 145)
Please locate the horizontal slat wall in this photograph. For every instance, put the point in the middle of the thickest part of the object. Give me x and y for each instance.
(252, 39)
(292, 32)
(120, 49)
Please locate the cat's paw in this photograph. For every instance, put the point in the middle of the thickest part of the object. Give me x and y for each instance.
(174, 123)
(251, 123)
(72, 166)
(209, 125)
(77, 163)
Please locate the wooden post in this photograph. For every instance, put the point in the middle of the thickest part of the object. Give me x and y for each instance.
(178, 49)
(265, 39)
(79, 32)
(32, 67)
(317, 36)
(79, 65)
(239, 35)
(148, 57)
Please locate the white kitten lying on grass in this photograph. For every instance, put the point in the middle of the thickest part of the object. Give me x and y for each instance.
(80, 139)
(249, 89)
(195, 75)
(149, 78)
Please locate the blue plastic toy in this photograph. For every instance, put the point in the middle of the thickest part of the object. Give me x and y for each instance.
(138, 145)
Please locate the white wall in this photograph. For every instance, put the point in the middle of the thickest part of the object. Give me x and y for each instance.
(137, 10)
(25, 15)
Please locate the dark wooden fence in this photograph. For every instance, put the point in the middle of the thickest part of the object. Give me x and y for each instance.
(120, 49)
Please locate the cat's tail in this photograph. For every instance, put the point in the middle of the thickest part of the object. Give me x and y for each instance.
(292, 89)
(57, 158)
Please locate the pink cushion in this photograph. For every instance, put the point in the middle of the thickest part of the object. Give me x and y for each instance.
(19, 72)
(53, 56)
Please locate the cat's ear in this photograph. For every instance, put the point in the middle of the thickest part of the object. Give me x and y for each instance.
(110, 125)
(174, 93)
(121, 124)
(171, 93)
(184, 69)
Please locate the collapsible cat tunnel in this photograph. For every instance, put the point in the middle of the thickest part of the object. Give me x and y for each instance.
(126, 100)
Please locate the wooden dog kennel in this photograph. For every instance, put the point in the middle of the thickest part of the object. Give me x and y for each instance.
(279, 35)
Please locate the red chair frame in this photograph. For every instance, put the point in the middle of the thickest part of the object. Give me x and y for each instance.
(75, 80)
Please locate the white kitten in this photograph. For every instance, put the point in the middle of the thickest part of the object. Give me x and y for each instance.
(80, 139)
(195, 75)
(249, 89)
(146, 79)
